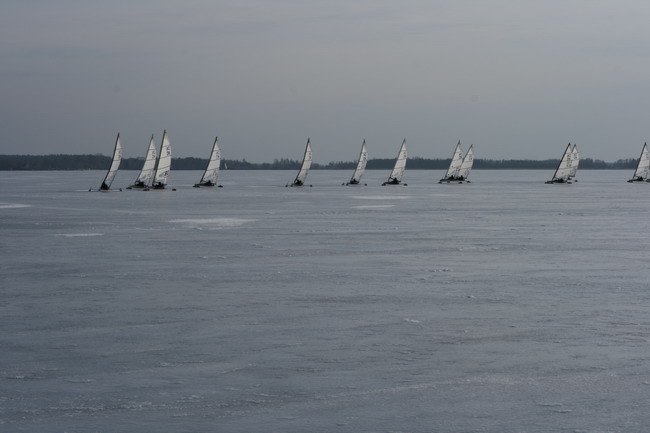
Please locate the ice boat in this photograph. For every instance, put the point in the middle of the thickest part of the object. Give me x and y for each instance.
(163, 163)
(575, 161)
(395, 177)
(466, 166)
(454, 166)
(563, 170)
(211, 172)
(361, 166)
(304, 167)
(146, 173)
(642, 167)
(115, 164)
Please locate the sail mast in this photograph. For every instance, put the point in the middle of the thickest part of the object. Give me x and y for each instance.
(163, 163)
(144, 177)
(642, 166)
(564, 157)
(212, 169)
(456, 161)
(466, 164)
(115, 164)
(304, 167)
(361, 164)
(400, 164)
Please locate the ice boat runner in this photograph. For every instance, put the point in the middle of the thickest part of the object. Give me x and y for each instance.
(304, 167)
(146, 174)
(395, 177)
(454, 166)
(115, 164)
(211, 173)
(575, 161)
(642, 167)
(361, 166)
(163, 163)
(563, 169)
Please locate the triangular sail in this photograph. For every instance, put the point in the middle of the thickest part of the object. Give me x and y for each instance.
(564, 167)
(575, 160)
(304, 167)
(456, 161)
(146, 174)
(212, 170)
(115, 164)
(361, 165)
(466, 165)
(164, 163)
(400, 165)
(643, 166)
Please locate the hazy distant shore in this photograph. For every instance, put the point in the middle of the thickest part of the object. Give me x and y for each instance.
(101, 162)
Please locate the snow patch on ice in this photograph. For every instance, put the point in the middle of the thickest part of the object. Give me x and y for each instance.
(374, 206)
(13, 205)
(212, 223)
(383, 197)
(78, 235)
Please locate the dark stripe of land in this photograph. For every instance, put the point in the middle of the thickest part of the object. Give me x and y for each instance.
(102, 162)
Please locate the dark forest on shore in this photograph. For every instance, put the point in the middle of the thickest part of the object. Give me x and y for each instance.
(102, 162)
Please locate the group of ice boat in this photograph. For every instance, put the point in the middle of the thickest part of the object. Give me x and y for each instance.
(394, 178)
(460, 165)
(155, 170)
(157, 165)
(566, 170)
(568, 167)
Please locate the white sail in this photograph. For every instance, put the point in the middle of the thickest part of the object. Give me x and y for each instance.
(304, 167)
(211, 173)
(400, 165)
(456, 161)
(466, 165)
(643, 166)
(164, 163)
(575, 160)
(112, 171)
(146, 174)
(361, 165)
(564, 167)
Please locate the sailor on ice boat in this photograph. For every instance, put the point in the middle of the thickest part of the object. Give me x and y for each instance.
(211, 172)
(395, 177)
(563, 172)
(146, 173)
(460, 166)
(575, 161)
(361, 166)
(163, 164)
(304, 167)
(115, 164)
(642, 167)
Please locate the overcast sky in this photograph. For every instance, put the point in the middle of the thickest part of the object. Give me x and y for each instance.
(516, 78)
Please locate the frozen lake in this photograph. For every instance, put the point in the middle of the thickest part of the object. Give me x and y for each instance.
(504, 305)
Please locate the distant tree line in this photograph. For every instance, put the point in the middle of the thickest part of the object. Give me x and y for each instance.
(102, 162)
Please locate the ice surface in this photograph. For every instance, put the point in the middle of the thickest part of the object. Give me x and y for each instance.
(504, 305)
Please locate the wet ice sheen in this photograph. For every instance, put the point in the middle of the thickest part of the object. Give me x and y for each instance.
(504, 305)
